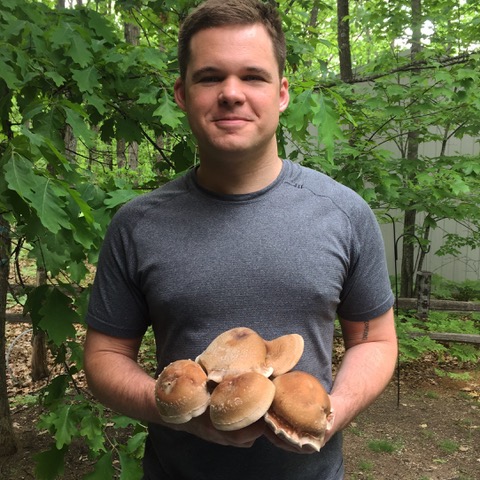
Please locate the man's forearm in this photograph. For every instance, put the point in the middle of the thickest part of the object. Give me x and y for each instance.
(120, 383)
(365, 371)
(366, 368)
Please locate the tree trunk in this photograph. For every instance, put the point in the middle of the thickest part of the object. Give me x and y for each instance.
(70, 144)
(132, 36)
(121, 153)
(8, 444)
(407, 287)
(39, 342)
(407, 284)
(343, 38)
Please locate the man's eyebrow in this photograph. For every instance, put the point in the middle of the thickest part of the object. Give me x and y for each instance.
(259, 71)
(197, 74)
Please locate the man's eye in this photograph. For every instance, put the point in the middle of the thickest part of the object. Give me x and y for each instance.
(254, 78)
(210, 79)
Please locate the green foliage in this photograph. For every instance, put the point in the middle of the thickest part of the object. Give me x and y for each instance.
(71, 418)
(467, 291)
(415, 347)
(69, 73)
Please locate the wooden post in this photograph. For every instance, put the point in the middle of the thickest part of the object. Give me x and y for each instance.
(424, 288)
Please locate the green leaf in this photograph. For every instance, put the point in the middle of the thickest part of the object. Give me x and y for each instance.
(119, 197)
(38, 191)
(103, 469)
(122, 421)
(58, 318)
(9, 75)
(34, 302)
(326, 119)
(100, 25)
(168, 112)
(19, 175)
(136, 444)
(91, 427)
(54, 392)
(79, 50)
(65, 423)
(49, 207)
(131, 468)
(128, 130)
(87, 79)
(56, 77)
(50, 464)
(97, 102)
(297, 112)
(79, 127)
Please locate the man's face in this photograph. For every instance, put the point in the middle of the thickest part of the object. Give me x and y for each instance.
(232, 92)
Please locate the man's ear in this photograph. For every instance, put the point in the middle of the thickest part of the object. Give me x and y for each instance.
(284, 95)
(179, 93)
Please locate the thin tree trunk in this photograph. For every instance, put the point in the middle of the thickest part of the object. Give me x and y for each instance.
(39, 342)
(121, 153)
(407, 284)
(8, 444)
(407, 287)
(343, 38)
(132, 36)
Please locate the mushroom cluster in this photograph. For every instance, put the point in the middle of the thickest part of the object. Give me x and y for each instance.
(240, 378)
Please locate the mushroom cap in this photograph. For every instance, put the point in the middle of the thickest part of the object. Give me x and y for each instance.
(284, 352)
(181, 391)
(240, 401)
(234, 352)
(300, 412)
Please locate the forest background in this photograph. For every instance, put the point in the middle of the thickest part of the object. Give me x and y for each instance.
(88, 122)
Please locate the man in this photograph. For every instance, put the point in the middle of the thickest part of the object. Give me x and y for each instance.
(246, 239)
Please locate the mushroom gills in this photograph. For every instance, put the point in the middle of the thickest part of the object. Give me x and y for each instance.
(300, 412)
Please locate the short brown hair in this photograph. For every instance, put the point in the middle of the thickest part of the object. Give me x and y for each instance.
(218, 13)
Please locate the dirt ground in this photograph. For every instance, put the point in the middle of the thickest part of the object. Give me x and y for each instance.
(427, 427)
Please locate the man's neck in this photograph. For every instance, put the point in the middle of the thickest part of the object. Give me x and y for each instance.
(238, 177)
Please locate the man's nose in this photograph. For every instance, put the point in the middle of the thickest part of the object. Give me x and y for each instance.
(231, 92)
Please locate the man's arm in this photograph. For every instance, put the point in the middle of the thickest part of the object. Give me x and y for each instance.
(366, 368)
(116, 380)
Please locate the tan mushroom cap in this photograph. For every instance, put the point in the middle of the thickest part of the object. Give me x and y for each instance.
(300, 412)
(284, 352)
(234, 352)
(181, 391)
(239, 401)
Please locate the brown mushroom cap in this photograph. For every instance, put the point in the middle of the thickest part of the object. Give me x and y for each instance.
(234, 352)
(284, 352)
(300, 412)
(240, 401)
(181, 391)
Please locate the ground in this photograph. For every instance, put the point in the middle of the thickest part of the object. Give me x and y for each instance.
(426, 427)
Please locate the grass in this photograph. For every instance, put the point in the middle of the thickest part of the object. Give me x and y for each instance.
(382, 446)
(448, 446)
(365, 466)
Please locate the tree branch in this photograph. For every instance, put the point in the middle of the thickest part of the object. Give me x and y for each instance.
(412, 66)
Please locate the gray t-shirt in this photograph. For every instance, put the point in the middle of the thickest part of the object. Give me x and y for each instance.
(192, 264)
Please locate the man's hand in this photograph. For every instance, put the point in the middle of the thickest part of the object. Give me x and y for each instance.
(202, 427)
